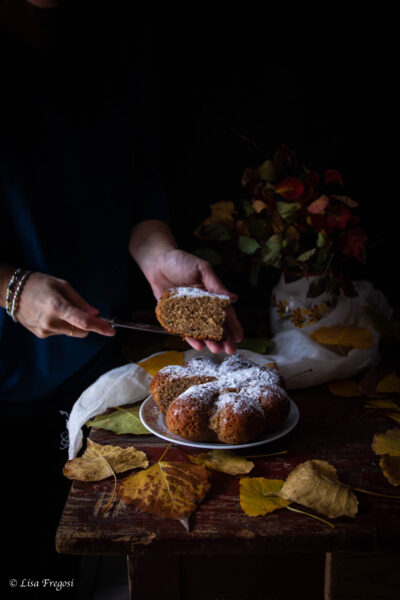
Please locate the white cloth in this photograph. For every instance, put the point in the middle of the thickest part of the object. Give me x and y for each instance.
(294, 353)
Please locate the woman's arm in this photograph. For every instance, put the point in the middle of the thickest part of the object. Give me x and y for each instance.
(153, 247)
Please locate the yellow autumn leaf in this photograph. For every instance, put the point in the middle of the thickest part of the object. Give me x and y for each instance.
(258, 495)
(345, 388)
(153, 364)
(315, 484)
(382, 404)
(99, 462)
(390, 466)
(389, 385)
(395, 416)
(387, 443)
(225, 461)
(166, 489)
(267, 170)
(221, 214)
(344, 336)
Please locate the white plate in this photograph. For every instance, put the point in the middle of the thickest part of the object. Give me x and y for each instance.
(154, 420)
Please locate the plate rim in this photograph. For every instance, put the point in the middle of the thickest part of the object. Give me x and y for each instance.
(294, 413)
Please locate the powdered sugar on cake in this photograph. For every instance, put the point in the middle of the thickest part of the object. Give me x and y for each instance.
(196, 293)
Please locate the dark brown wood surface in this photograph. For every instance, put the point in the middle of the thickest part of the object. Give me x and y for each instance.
(331, 428)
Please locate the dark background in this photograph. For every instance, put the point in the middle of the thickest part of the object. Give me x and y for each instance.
(321, 82)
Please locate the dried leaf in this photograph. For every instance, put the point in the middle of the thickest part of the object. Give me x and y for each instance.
(371, 379)
(381, 404)
(267, 170)
(225, 461)
(315, 484)
(318, 206)
(389, 385)
(99, 462)
(395, 416)
(387, 443)
(390, 466)
(166, 489)
(155, 363)
(350, 336)
(290, 188)
(258, 495)
(122, 420)
(345, 388)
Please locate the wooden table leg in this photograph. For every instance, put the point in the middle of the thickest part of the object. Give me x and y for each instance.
(151, 577)
(362, 576)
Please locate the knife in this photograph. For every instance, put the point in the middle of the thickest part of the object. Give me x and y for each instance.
(138, 326)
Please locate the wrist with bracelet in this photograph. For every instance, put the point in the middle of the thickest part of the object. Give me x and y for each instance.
(14, 290)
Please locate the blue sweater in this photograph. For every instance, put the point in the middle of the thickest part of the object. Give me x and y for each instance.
(77, 170)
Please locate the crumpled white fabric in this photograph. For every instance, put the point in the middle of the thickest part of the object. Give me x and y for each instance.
(301, 361)
(123, 385)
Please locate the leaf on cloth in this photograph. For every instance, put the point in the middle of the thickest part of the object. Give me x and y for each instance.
(345, 388)
(223, 460)
(389, 385)
(315, 484)
(390, 466)
(122, 420)
(258, 495)
(387, 443)
(99, 462)
(155, 363)
(167, 489)
(344, 336)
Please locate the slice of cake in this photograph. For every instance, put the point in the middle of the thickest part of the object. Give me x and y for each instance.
(192, 312)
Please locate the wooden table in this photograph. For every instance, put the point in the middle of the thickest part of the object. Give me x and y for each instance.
(227, 554)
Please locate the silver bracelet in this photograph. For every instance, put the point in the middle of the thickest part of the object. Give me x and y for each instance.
(10, 289)
(17, 294)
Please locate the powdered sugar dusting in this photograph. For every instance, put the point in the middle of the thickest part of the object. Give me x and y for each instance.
(196, 293)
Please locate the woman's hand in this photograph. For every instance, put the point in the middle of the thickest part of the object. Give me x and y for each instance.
(164, 266)
(50, 306)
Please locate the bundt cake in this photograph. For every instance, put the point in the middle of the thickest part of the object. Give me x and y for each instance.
(232, 402)
(192, 312)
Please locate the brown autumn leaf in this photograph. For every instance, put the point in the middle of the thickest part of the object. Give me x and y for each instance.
(315, 484)
(99, 462)
(223, 460)
(344, 336)
(345, 388)
(390, 466)
(387, 443)
(167, 489)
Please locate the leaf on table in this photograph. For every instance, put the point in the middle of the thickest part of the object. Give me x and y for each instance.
(315, 484)
(167, 489)
(155, 363)
(345, 388)
(371, 379)
(258, 495)
(395, 416)
(390, 466)
(223, 460)
(382, 404)
(389, 385)
(122, 420)
(344, 336)
(387, 443)
(99, 462)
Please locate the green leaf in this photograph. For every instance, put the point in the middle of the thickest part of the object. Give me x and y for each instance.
(323, 240)
(262, 345)
(267, 171)
(247, 244)
(272, 250)
(247, 207)
(217, 232)
(122, 420)
(306, 255)
(287, 209)
(211, 256)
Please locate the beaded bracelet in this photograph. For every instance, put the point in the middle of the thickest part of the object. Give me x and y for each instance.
(17, 294)
(10, 289)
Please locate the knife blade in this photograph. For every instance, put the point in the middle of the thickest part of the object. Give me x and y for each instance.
(138, 326)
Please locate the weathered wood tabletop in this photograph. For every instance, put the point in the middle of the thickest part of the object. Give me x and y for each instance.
(330, 428)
